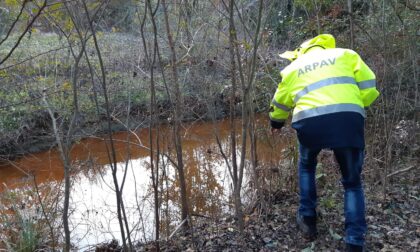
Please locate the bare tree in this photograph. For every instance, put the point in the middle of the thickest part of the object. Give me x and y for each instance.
(246, 81)
(177, 119)
(111, 152)
(153, 124)
(65, 157)
(64, 141)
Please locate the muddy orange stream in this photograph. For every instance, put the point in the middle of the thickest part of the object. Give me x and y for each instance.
(206, 173)
(197, 137)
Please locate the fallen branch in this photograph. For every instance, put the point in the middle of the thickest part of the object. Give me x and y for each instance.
(401, 171)
(177, 228)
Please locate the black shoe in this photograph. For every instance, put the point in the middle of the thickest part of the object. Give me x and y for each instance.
(307, 225)
(353, 248)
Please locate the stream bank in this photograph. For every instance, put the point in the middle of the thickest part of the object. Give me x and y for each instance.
(36, 134)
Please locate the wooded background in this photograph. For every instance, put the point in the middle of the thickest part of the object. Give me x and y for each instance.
(84, 67)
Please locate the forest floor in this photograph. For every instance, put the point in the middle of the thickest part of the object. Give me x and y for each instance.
(393, 224)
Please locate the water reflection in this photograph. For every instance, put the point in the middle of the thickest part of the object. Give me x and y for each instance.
(94, 216)
(93, 201)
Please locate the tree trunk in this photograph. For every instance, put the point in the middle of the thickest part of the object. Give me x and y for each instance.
(235, 169)
(154, 163)
(112, 155)
(350, 7)
(66, 163)
(177, 121)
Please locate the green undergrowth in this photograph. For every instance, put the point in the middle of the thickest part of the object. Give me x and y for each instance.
(24, 226)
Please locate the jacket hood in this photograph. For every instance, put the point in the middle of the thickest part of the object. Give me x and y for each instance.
(324, 40)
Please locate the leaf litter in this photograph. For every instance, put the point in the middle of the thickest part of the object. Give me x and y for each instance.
(393, 225)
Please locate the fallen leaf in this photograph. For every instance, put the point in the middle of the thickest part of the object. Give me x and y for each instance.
(335, 235)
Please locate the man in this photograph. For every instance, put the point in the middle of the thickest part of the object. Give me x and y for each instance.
(328, 89)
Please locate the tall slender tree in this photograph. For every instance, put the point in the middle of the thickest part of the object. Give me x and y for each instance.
(177, 118)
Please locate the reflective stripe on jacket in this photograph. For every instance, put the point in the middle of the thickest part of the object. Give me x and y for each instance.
(323, 81)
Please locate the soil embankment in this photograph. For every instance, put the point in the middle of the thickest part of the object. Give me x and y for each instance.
(36, 134)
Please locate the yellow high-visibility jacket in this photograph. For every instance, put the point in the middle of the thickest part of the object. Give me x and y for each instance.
(323, 80)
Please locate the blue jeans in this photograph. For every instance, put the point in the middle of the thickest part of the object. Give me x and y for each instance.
(351, 162)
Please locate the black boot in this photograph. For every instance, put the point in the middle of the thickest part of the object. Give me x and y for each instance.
(353, 248)
(307, 225)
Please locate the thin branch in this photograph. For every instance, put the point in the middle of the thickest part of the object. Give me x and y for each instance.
(411, 6)
(178, 227)
(140, 144)
(14, 23)
(224, 155)
(32, 100)
(44, 212)
(401, 171)
(33, 57)
(24, 33)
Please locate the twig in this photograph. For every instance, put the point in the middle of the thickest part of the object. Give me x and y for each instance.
(33, 57)
(401, 171)
(178, 227)
(27, 101)
(140, 144)
(44, 212)
(14, 22)
(24, 33)
(20, 169)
